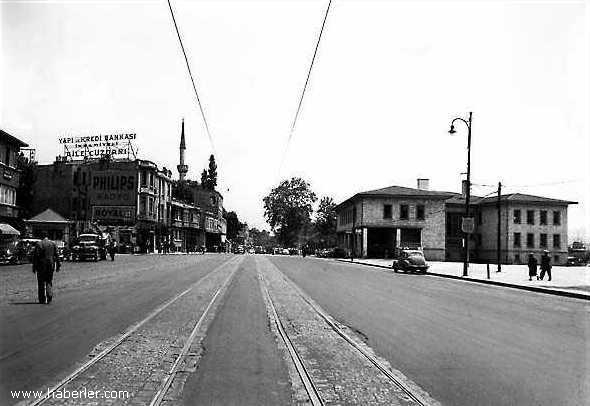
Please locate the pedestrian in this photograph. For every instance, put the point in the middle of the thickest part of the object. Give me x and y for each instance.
(112, 249)
(532, 267)
(545, 265)
(45, 262)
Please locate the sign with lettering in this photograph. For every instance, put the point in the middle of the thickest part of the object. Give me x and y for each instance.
(111, 187)
(96, 146)
(114, 214)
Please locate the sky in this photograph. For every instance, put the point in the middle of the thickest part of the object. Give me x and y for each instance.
(388, 79)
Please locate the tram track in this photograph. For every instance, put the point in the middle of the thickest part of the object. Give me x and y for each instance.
(70, 378)
(310, 387)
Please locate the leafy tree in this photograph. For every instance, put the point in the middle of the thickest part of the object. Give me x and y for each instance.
(325, 223)
(26, 181)
(261, 238)
(181, 190)
(204, 179)
(233, 225)
(288, 209)
(212, 174)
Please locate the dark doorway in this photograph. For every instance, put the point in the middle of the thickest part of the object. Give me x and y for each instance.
(411, 237)
(380, 242)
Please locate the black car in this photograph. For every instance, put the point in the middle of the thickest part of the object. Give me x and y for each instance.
(410, 261)
(88, 247)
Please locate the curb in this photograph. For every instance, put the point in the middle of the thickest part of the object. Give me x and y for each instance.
(488, 282)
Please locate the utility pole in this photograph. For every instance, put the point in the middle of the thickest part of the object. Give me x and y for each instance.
(498, 242)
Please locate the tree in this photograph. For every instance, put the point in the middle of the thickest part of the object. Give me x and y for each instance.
(325, 223)
(212, 173)
(204, 179)
(233, 225)
(288, 209)
(261, 238)
(26, 181)
(181, 190)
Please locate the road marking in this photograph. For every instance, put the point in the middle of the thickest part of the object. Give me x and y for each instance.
(159, 396)
(131, 330)
(310, 388)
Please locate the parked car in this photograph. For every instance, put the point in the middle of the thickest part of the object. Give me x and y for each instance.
(293, 251)
(410, 260)
(88, 247)
(239, 250)
(285, 251)
(575, 261)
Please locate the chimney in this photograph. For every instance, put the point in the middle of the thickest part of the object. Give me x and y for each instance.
(464, 186)
(423, 184)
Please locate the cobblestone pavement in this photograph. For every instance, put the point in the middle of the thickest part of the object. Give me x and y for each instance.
(340, 373)
(142, 361)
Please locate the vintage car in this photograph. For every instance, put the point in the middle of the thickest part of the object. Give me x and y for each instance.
(88, 247)
(410, 260)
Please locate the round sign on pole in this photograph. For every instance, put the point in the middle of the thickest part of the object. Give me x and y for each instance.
(467, 225)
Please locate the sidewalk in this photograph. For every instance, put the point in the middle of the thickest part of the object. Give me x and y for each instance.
(571, 281)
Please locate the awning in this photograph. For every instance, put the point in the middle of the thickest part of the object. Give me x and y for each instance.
(7, 229)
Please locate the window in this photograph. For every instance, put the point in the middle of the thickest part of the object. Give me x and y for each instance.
(556, 241)
(143, 176)
(403, 212)
(517, 239)
(420, 215)
(479, 218)
(556, 218)
(543, 241)
(556, 259)
(517, 258)
(530, 240)
(386, 211)
(142, 204)
(543, 217)
(7, 156)
(530, 217)
(151, 179)
(516, 216)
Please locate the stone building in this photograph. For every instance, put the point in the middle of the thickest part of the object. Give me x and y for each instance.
(374, 223)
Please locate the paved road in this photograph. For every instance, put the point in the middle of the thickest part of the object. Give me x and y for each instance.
(466, 344)
(92, 302)
(241, 364)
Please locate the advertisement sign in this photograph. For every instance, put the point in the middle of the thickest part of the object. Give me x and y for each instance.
(113, 187)
(96, 146)
(114, 214)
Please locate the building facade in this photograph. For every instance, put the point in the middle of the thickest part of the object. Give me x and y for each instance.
(9, 178)
(375, 223)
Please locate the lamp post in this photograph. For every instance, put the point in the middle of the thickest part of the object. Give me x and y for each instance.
(468, 191)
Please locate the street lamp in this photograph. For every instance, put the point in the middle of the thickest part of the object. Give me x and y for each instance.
(468, 192)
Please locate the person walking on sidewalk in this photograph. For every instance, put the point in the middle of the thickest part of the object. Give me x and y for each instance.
(45, 262)
(545, 265)
(532, 267)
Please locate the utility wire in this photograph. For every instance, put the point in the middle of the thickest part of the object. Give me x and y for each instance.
(192, 78)
(304, 86)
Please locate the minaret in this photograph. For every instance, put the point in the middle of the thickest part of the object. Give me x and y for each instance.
(182, 168)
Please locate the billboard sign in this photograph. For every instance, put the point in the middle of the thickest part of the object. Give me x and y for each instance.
(111, 187)
(114, 214)
(95, 146)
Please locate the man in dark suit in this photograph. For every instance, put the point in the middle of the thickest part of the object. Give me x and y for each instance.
(45, 261)
(545, 265)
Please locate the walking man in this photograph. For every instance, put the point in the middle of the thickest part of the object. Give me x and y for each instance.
(545, 265)
(45, 261)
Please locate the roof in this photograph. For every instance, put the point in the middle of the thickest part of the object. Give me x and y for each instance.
(48, 216)
(400, 191)
(7, 229)
(524, 198)
(460, 199)
(4, 136)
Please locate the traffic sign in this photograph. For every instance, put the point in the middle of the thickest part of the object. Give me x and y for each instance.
(467, 225)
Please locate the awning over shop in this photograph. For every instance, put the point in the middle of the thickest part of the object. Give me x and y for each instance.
(7, 229)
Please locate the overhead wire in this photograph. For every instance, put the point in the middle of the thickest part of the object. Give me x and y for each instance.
(188, 67)
(294, 123)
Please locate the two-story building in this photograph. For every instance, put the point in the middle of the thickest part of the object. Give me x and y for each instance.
(374, 223)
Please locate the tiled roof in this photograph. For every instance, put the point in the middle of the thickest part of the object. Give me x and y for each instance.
(406, 191)
(524, 198)
(11, 139)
